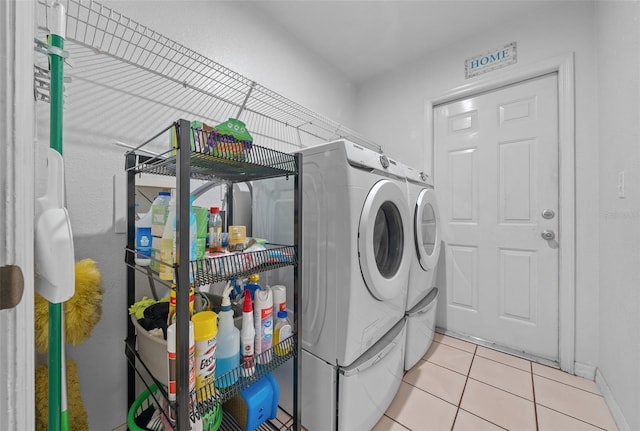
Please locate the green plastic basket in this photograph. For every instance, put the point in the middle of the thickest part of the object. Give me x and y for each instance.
(210, 422)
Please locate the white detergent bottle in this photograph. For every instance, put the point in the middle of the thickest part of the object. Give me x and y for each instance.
(263, 318)
(143, 240)
(227, 344)
(247, 337)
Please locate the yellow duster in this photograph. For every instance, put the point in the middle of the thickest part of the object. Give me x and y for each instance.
(81, 314)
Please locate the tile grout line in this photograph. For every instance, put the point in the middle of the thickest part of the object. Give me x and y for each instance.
(501, 389)
(464, 388)
(505, 364)
(458, 348)
(573, 417)
(567, 384)
(533, 390)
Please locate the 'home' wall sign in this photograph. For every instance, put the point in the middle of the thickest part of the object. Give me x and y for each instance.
(491, 60)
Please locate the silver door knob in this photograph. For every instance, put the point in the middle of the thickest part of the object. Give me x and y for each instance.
(548, 214)
(548, 235)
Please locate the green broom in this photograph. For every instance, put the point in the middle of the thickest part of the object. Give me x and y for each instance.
(54, 254)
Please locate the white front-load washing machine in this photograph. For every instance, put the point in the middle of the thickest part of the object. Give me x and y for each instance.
(422, 295)
(355, 268)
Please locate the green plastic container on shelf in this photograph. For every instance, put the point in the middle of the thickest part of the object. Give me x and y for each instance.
(230, 139)
(210, 422)
(235, 128)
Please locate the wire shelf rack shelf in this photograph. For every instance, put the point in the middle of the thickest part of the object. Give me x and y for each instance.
(274, 120)
(246, 163)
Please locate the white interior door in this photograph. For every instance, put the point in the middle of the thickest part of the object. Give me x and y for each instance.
(496, 173)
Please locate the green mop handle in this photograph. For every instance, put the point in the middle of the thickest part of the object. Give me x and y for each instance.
(58, 418)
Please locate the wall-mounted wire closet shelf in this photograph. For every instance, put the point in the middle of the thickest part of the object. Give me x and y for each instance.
(204, 155)
(218, 92)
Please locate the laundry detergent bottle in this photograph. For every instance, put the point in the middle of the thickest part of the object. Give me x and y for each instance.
(143, 240)
(228, 343)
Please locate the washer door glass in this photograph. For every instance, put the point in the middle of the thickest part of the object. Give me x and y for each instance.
(388, 239)
(383, 241)
(427, 229)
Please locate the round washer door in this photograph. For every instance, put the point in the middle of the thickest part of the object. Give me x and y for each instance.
(383, 241)
(427, 229)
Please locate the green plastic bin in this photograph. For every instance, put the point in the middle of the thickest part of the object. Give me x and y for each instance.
(210, 422)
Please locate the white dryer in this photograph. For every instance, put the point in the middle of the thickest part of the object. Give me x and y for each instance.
(355, 266)
(422, 295)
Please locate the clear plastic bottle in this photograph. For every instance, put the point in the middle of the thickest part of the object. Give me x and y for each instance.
(228, 344)
(143, 240)
(215, 230)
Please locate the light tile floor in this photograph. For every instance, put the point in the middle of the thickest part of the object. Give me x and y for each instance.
(461, 386)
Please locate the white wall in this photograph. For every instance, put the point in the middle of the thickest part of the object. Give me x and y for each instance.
(391, 111)
(98, 112)
(618, 48)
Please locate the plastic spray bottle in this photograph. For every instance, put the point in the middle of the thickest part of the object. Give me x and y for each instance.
(252, 285)
(247, 337)
(228, 343)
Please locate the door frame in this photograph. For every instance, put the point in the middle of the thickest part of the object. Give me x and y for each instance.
(563, 65)
(17, 170)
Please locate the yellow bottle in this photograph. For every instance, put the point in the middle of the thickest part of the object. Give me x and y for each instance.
(281, 332)
(205, 330)
(171, 318)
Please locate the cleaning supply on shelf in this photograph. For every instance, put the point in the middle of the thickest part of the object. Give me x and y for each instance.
(215, 230)
(193, 236)
(167, 243)
(143, 240)
(228, 343)
(202, 223)
(171, 317)
(281, 332)
(159, 211)
(256, 404)
(279, 298)
(237, 238)
(252, 285)
(171, 356)
(230, 140)
(247, 337)
(205, 329)
(263, 318)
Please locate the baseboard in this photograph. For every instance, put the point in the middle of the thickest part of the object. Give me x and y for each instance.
(618, 417)
(584, 370)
